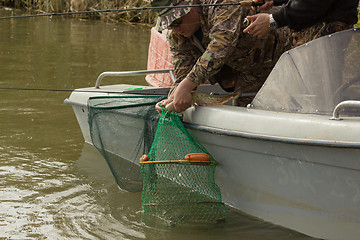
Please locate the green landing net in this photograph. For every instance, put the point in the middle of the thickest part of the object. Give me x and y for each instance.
(178, 177)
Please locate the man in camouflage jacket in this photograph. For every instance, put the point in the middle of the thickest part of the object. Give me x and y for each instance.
(215, 49)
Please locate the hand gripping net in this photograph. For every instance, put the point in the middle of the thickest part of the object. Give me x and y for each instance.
(176, 188)
(178, 177)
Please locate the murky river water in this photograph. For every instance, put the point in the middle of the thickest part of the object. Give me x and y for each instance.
(52, 185)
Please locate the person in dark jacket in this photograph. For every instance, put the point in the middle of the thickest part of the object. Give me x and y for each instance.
(308, 19)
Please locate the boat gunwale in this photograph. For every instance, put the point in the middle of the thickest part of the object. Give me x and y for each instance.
(236, 133)
(301, 141)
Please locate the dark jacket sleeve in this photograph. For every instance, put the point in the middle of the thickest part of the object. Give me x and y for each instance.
(279, 2)
(298, 14)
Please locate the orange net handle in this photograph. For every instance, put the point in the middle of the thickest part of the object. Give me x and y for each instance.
(192, 158)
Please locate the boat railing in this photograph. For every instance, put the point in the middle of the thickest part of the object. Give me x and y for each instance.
(133, 73)
(341, 106)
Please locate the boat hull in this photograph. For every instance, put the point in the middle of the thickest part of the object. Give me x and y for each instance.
(288, 184)
(309, 182)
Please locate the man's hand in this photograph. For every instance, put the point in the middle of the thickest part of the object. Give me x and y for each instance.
(182, 95)
(162, 103)
(260, 25)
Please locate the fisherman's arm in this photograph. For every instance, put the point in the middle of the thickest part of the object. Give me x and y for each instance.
(268, 4)
(182, 52)
(223, 35)
(294, 14)
(279, 2)
(223, 38)
(183, 59)
(301, 12)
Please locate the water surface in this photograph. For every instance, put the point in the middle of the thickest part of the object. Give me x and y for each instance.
(52, 185)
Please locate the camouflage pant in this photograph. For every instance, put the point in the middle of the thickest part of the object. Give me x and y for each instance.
(316, 31)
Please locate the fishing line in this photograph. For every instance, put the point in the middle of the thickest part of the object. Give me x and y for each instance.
(38, 89)
(242, 3)
(61, 90)
(52, 90)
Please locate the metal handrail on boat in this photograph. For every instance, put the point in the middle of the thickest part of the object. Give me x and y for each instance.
(342, 105)
(132, 73)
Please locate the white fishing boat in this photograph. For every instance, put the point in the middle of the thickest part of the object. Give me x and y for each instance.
(292, 156)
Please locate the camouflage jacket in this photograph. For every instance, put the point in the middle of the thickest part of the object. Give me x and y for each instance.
(224, 45)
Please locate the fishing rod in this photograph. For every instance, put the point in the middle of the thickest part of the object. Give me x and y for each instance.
(242, 3)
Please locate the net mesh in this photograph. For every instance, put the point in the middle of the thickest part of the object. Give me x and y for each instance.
(122, 128)
(174, 187)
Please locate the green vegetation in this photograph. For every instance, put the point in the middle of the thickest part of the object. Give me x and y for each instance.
(358, 23)
(55, 6)
(49, 6)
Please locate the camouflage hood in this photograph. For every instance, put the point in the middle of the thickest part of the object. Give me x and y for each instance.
(167, 15)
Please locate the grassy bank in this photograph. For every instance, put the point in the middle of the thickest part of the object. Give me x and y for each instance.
(52, 6)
